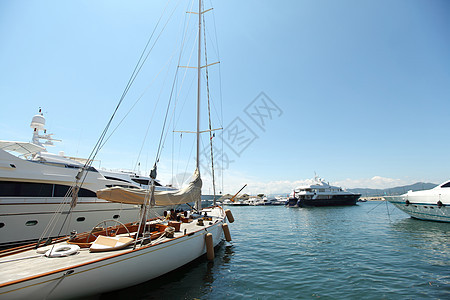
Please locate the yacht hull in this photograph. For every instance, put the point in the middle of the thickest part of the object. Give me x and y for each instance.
(334, 200)
(429, 210)
(29, 199)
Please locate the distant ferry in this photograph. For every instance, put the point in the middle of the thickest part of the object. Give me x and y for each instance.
(430, 205)
(320, 193)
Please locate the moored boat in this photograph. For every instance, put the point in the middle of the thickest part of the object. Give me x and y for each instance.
(430, 205)
(320, 193)
(34, 182)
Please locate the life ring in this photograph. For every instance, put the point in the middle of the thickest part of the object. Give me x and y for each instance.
(62, 250)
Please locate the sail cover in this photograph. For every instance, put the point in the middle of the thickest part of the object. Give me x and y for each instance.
(188, 194)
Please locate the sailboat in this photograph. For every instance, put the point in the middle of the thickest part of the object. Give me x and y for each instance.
(114, 255)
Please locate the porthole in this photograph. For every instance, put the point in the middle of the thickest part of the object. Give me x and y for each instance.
(2, 225)
(425, 207)
(31, 223)
(116, 216)
(81, 219)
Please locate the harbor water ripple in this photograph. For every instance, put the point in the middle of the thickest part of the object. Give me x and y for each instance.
(367, 251)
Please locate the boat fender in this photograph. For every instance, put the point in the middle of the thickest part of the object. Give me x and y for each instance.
(209, 246)
(439, 204)
(62, 250)
(229, 216)
(226, 232)
(407, 202)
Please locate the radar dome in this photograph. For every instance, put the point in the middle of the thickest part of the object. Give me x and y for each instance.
(38, 122)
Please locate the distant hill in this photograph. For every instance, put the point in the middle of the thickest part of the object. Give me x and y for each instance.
(365, 192)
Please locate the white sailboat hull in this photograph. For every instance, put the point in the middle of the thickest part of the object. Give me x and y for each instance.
(104, 274)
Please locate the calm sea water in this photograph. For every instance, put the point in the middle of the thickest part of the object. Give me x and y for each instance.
(367, 251)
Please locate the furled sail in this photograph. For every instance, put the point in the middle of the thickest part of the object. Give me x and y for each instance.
(188, 194)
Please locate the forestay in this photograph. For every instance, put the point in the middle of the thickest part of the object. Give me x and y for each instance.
(188, 194)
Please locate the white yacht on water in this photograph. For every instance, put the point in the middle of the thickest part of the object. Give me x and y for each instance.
(430, 205)
(34, 182)
(320, 193)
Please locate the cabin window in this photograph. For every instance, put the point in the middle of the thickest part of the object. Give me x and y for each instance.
(116, 216)
(31, 223)
(141, 181)
(81, 219)
(32, 189)
(12, 166)
(2, 225)
(114, 178)
(446, 185)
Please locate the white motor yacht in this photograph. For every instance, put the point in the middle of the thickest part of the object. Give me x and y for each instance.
(320, 193)
(431, 205)
(33, 183)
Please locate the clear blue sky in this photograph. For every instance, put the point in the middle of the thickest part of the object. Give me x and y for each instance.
(362, 88)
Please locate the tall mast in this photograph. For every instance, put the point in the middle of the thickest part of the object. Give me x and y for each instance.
(198, 80)
(198, 204)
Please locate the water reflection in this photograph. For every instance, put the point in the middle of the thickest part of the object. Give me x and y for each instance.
(430, 239)
(194, 280)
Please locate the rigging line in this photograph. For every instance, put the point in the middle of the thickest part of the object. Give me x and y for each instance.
(218, 56)
(145, 59)
(376, 206)
(214, 106)
(185, 74)
(139, 99)
(153, 114)
(179, 152)
(162, 137)
(154, 43)
(100, 143)
(140, 61)
(183, 40)
(173, 115)
(387, 208)
(209, 113)
(176, 120)
(53, 220)
(189, 158)
(136, 70)
(220, 92)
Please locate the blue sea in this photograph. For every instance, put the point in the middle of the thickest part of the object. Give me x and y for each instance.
(368, 251)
